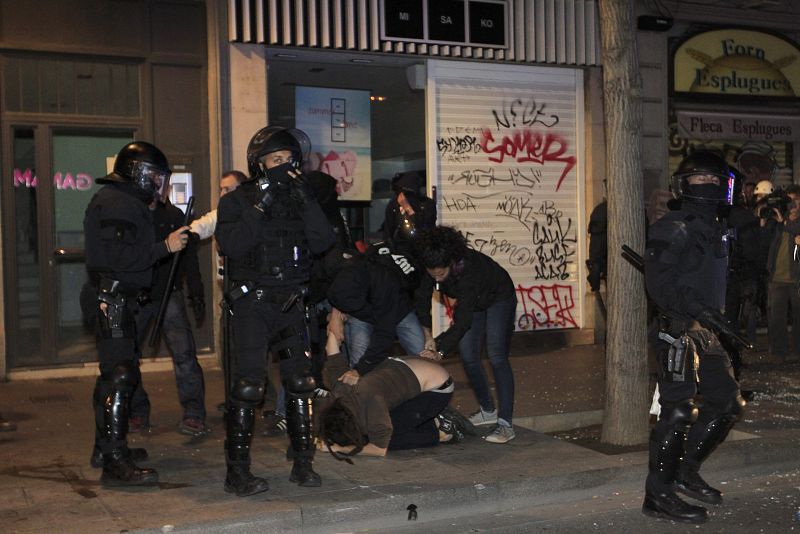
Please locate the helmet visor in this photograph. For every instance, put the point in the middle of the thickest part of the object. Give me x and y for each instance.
(153, 180)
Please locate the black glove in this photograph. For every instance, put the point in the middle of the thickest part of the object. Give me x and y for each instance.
(301, 189)
(268, 198)
(199, 309)
(717, 323)
(594, 275)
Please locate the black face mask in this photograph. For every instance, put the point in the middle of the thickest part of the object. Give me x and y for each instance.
(280, 175)
(704, 193)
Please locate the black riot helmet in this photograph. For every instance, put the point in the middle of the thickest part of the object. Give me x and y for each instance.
(143, 165)
(272, 139)
(698, 164)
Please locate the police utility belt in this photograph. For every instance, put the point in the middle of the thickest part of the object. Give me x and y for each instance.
(273, 295)
(682, 360)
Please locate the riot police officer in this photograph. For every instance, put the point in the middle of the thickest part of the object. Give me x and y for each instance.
(269, 228)
(121, 249)
(685, 272)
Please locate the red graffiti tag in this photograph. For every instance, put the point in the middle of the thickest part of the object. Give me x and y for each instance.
(529, 146)
(546, 306)
(449, 307)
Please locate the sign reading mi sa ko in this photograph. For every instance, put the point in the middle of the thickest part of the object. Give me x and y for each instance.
(482, 23)
(737, 62)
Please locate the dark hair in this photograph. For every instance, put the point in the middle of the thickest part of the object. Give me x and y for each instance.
(441, 246)
(338, 426)
(239, 175)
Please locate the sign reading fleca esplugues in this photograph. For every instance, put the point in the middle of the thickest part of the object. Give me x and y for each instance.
(707, 125)
(737, 63)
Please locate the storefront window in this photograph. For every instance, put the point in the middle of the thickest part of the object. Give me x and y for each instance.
(37, 85)
(396, 113)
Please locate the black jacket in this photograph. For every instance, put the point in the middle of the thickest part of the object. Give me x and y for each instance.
(477, 282)
(120, 239)
(686, 262)
(243, 229)
(372, 292)
(166, 219)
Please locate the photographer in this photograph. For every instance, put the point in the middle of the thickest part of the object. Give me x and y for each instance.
(779, 219)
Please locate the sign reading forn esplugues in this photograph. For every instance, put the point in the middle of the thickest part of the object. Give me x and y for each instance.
(737, 63)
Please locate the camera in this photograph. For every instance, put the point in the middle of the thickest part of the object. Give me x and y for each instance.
(779, 200)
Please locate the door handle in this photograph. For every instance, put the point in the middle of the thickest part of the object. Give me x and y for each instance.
(67, 254)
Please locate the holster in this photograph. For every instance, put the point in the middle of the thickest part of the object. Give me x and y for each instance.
(117, 321)
(681, 360)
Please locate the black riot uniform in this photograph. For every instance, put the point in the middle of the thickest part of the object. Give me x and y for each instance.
(269, 228)
(686, 266)
(120, 252)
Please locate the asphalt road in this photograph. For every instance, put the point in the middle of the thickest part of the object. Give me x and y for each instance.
(758, 503)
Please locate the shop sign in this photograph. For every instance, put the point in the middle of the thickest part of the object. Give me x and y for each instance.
(454, 22)
(737, 63)
(703, 125)
(79, 181)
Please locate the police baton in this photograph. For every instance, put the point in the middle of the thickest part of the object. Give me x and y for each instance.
(173, 271)
(633, 258)
(227, 341)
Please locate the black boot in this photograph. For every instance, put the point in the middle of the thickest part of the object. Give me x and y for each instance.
(138, 454)
(702, 440)
(239, 433)
(660, 500)
(299, 427)
(118, 466)
(119, 470)
(303, 473)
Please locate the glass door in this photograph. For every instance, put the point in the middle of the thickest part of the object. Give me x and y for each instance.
(46, 260)
(78, 158)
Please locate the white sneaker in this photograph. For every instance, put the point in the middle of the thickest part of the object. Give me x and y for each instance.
(501, 434)
(480, 417)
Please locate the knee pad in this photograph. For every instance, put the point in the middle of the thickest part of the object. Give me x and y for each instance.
(125, 375)
(682, 413)
(247, 392)
(301, 385)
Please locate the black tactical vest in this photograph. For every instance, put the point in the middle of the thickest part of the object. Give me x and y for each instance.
(283, 256)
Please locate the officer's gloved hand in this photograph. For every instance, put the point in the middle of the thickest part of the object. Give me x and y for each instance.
(199, 309)
(301, 189)
(594, 280)
(268, 198)
(594, 275)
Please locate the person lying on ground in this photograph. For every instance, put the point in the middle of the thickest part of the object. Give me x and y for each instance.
(401, 404)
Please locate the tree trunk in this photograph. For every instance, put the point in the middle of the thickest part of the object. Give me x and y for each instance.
(625, 419)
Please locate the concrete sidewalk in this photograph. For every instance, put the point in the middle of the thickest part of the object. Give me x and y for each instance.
(48, 485)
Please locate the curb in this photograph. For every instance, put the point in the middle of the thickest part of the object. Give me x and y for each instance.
(385, 506)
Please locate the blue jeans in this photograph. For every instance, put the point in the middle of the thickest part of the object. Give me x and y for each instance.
(177, 332)
(497, 324)
(357, 335)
